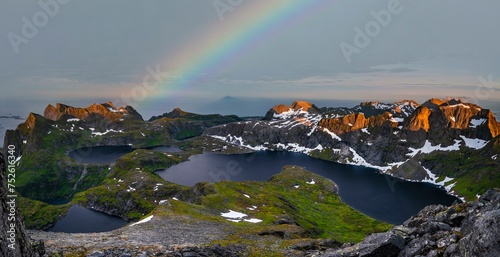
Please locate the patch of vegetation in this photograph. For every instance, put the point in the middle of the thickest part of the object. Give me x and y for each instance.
(474, 173)
(40, 215)
(294, 206)
(132, 189)
(186, 133)
(325, 154)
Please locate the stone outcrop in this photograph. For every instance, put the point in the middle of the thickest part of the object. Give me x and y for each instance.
(465, 229)
(357, 121)
(419, 120)
(14, 241)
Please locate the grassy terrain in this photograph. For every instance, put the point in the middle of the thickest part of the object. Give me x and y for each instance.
(292, 211)
(296, 207)
(40, 215)
(132, 189)
(474, 174)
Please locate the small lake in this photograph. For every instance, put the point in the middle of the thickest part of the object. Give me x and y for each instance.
(379, 196)
(109, 154)
(82, 220)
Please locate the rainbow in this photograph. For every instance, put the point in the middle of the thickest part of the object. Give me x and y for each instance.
(248, 26)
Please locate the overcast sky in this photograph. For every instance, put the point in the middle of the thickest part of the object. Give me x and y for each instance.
(85, 51)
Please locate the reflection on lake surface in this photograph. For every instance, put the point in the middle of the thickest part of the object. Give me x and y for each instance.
(377, 195)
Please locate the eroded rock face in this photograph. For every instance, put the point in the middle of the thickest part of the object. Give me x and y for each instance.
(465, 229)
(453, 117)
(13, 239)
(419, 120)
(357, 121)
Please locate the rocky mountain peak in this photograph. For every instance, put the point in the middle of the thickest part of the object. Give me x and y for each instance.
(453, 114)
(295, 106)
(305, 106)
(433, 103)
(408, 102)
(280, 108)
(30, 121)
(106, 110)
(176, 113)
(400, 109)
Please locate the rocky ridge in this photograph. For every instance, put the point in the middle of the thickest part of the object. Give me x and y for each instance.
(107, 110)
(14, 241)
(465, 229)
(393, 138)
(293, 124)
(64, 128)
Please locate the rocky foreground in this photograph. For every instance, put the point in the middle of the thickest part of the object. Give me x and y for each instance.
(157, 237)
(465, 229)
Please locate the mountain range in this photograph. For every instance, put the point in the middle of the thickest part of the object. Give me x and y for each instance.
(415, 142)
(446, 142)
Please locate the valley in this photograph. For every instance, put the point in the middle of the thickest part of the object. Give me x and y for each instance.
(448, 143)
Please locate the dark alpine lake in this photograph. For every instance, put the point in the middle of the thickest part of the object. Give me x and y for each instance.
(379, 196)
(82, 220)
(109, 154)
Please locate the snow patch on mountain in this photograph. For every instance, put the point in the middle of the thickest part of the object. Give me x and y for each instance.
(474, 143)
(111, 109)
(288, 114)
(291, 147)
(235, 216)
(476, 122)
(428, 148)
(457, 105)
(433, 179)
(312, 182)
(396, 119)
(94, 133)
(333, 135)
